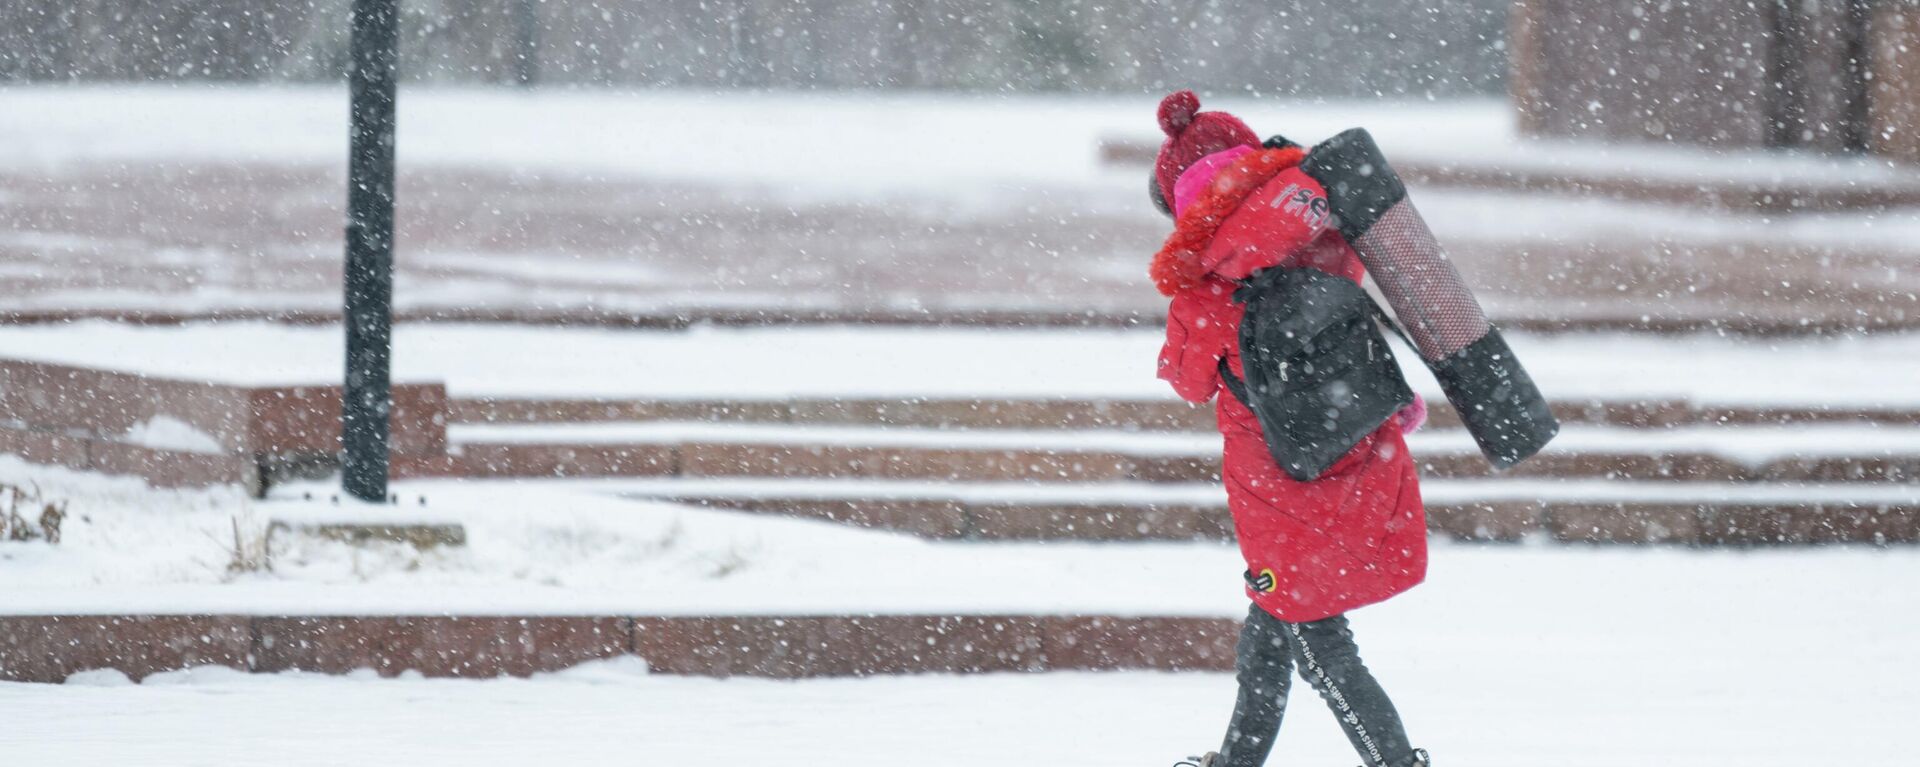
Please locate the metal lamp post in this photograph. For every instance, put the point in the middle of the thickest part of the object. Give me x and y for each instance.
(367, 399)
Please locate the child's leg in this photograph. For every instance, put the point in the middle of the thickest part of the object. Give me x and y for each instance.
(1331, 663)
(1264, 662)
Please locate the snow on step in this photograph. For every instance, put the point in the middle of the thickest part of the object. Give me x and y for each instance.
(1753, 445)
(765, 364)
(1856, 452)
(676, 432)
(1699, 513)
(1205, 493)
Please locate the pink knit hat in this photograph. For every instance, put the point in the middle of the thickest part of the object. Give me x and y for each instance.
(1191, 135)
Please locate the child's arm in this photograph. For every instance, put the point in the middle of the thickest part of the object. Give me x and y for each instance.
(1201, 325)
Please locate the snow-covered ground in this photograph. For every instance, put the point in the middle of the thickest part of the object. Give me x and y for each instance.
(805, 143)
(776, 363)
(789, 138)
(1504, 687)
(571, 548)
(544, 548)
(874, 147)
(205, 201)
(1508, 655)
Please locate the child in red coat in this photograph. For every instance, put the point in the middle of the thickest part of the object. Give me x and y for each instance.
(1316, 549)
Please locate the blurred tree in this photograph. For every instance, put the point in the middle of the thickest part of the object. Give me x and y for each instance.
(1318, 47)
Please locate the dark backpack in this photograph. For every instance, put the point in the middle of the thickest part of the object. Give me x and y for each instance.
(1320, 376)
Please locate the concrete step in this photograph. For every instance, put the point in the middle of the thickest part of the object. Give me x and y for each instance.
(1159, 414)
(1802, 453)
(1776, 193)
(1591, 511)
(49, 648)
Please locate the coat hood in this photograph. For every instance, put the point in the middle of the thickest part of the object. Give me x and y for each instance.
(1183, 261)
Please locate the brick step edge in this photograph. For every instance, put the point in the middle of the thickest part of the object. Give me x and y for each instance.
(1706, 525)
(50, 648)
(1763, 326)
(1068, 413)
(698, 459)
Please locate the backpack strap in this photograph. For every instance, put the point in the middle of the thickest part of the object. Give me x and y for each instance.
(1234, 384)
(1381, 315)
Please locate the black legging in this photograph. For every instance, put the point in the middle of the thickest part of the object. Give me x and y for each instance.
(1330, 662)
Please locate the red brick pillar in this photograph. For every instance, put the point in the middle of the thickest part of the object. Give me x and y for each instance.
(1894, 99)
(1525, 66)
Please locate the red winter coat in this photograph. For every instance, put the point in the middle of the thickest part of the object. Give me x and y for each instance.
(1358, 534)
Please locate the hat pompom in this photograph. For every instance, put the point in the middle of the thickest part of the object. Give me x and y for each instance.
(1177, 111)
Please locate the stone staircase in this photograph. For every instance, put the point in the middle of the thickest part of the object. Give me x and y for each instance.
(1086, 469)
(1643, 471)
(983, 469)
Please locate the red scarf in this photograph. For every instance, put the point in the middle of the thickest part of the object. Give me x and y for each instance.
(1177, 266)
